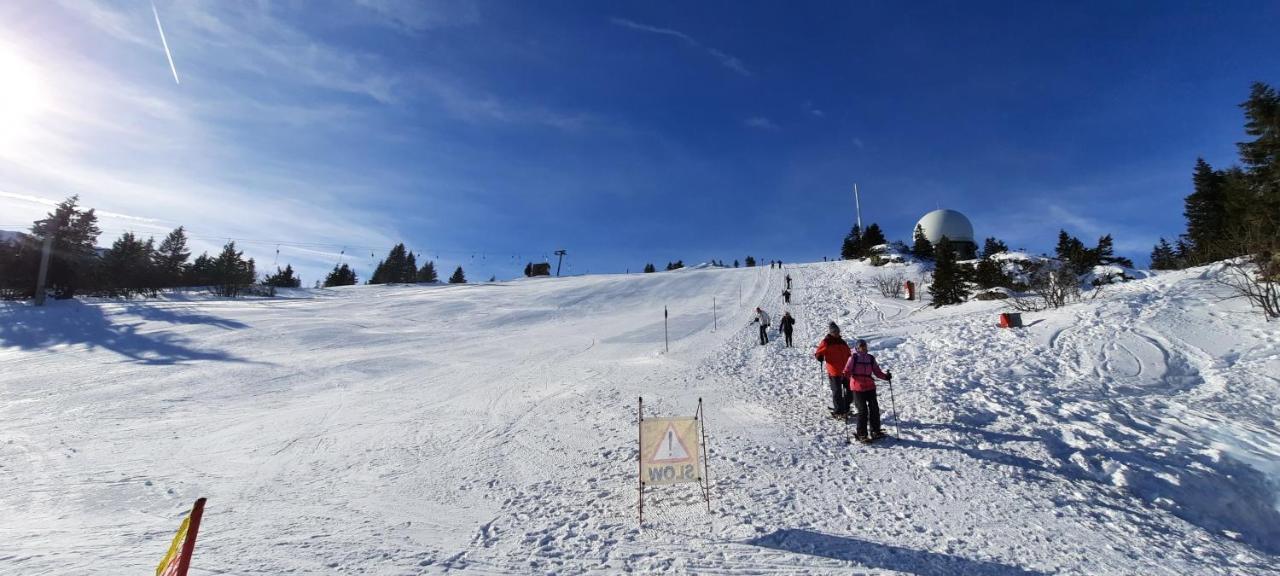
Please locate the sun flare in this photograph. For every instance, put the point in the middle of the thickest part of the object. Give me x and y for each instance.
(22, 97)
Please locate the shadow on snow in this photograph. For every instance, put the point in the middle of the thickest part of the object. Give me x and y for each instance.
(73, 322)
(882, 556)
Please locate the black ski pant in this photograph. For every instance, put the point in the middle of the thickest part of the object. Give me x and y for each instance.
(868, 407)
(764, 334)
(840, 395)
(786, 333)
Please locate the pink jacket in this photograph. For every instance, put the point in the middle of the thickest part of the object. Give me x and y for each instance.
(859, 369)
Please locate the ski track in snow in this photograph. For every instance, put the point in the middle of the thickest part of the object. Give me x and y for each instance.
(491, 429)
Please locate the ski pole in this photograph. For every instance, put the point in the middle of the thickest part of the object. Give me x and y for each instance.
(893, 402)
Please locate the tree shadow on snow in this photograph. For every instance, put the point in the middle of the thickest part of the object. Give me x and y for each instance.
(881, 556)
(72, 322)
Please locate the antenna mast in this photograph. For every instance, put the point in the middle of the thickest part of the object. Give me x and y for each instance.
(858, 203)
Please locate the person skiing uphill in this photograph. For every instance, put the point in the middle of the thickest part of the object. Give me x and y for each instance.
(787, 323)
(786, 296)
(762, 318)
(788, 281)
(862, 370)
(834, 352)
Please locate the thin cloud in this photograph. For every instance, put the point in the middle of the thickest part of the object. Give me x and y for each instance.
(413, 16)
(760, 123)
(727, 60)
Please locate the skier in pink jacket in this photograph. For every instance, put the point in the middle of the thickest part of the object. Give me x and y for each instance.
(862, 371)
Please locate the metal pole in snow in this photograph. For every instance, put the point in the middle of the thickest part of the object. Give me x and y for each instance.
(715, 322)
(666, 341)
(639, 456)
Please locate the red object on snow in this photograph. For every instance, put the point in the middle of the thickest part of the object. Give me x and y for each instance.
(911, 289)
(1010, 320)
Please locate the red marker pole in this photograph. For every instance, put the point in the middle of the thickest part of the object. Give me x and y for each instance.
(189, 544)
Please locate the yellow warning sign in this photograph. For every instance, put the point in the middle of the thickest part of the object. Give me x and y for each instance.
(669, 451)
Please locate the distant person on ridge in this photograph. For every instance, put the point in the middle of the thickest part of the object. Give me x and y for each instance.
(786, 296)
(762, 318)
(834, 351)
(860, 369)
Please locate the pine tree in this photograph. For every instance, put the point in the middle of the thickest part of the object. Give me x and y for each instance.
(921, 247)
(948, 285)
(74, 232)
(751, 262)
(1163, 256)
(408, 273)
(987, 274)
(126, 269)
(428, 272)
(1206, 212)
(1071, 251)
(171, 257)
(458, 277)
(19, 262)
(1104, 253)
(1261, 156)
(735, 263)
(993, 246)
(648, 268)
(283, 278)
(873, 237)
(528, 270)
(231, 272)
(852, 246)
(200, 273)
(1254, 198)
(341, 276)
(1182, 252)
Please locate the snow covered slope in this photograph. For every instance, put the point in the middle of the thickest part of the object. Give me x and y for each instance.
(490, 428)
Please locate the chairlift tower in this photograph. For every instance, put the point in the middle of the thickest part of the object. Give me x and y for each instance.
(560, 253)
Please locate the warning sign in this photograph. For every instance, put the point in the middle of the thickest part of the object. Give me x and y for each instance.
(669, 451)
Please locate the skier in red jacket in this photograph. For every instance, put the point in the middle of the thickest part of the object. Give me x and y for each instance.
(860, 369)
(834, 351)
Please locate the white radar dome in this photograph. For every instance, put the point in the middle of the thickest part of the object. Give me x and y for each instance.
(954, 225)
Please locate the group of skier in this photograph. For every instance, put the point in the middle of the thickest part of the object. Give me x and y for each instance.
(851, 373)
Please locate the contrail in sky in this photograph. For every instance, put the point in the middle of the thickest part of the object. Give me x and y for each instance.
(165, 43)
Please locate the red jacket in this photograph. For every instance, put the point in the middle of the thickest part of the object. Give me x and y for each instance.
(835, 352)
(859, 370)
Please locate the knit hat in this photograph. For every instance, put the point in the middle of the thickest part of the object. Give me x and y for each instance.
(833, 328)
(861, 343)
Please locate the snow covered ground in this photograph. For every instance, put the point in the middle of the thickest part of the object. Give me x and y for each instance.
(490, 428)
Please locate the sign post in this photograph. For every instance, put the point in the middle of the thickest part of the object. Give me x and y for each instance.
(673, 451)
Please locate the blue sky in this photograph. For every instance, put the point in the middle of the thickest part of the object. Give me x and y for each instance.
(490, 134)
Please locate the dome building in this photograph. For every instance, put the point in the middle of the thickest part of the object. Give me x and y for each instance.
(954, 225)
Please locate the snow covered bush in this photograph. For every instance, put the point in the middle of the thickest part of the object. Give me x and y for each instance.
(1051, 286)
(1248, 280)
(1106, 274)
(890, 284)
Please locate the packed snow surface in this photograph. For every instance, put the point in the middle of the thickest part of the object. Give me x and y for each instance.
(491, 428)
